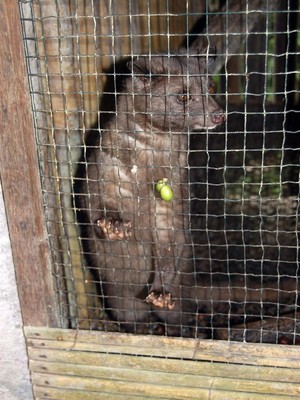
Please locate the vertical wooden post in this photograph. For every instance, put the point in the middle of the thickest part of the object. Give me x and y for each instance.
(20, 178)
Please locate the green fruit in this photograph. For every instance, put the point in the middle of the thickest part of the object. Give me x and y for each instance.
(159, 185)
(166, 193)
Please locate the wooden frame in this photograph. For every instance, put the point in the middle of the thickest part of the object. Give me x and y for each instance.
(74, 364)
(21, 181)
(77, 365)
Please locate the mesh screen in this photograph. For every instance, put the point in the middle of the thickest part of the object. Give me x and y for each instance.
(168, 143)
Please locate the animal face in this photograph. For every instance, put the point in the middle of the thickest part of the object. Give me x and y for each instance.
(175, 93)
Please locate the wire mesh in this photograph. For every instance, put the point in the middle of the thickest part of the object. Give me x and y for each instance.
(122, 98)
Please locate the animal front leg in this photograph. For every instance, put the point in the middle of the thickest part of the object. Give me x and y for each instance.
(171, 251)
(114, 229)
(161, 291)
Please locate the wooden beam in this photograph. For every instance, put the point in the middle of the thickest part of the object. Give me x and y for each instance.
(77, 365)
(20, 178)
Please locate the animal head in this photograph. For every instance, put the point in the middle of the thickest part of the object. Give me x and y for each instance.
(174, 92)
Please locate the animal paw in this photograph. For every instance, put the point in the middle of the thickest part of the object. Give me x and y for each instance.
(161, 300)
(114, 229)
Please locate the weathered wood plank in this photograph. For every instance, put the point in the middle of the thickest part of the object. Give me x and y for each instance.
(178, 380)
(118, 386)
(82, 359)
(42, 392)
(89, 365)
(125, 374)
(20, 178)
(55, 393)
(232, 352)
(140, 387)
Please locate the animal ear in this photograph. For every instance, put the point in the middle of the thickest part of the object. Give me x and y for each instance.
(140, 68)
(147, 70)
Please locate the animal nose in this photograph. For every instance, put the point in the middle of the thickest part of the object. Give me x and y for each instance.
(217, 118)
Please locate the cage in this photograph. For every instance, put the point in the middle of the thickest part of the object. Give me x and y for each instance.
(159, 231)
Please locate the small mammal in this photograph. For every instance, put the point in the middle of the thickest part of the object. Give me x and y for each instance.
(138, 243)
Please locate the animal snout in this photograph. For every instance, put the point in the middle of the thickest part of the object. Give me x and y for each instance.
(218, 118)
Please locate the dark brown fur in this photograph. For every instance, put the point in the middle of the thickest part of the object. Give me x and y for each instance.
(139, 243)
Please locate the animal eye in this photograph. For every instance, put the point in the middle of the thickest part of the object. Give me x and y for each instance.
(211, 89)
(183, 97)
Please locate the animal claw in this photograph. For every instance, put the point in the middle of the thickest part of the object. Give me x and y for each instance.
(161, 300)
(114, 229)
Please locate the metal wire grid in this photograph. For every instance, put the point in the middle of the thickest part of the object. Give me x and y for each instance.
(244, 190)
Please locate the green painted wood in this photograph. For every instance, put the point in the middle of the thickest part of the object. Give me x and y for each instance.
(75, 365)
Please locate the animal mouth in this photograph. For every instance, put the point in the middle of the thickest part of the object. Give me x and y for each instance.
(211, 121)
(210, 126)
(217, 119)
